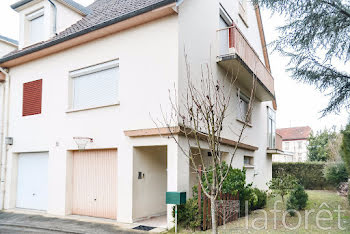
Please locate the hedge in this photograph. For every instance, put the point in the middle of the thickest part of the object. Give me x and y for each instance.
(309, 174)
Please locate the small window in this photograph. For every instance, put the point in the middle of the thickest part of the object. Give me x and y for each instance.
(286, 145)
(95, 86)
(36, 26)
(300, 145)
(248, 161)
(243, 107)
(242, 12)
(32, 98)
(271, 128)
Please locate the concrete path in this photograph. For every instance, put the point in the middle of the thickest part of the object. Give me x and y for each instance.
(31, 223)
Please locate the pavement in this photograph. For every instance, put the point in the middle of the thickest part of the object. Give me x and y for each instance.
(12, 222)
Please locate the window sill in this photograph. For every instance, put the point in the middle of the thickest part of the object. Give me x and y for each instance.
(249, 166)
(242, 122)
(91, 108)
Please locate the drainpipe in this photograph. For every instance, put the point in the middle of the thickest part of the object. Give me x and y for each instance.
(4, 133)
(55, 17)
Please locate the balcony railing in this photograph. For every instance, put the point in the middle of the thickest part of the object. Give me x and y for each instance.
(278, 141)
(232, 42)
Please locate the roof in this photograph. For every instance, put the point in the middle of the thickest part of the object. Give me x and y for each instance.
(76, 6)
(103, 13)
(9, 40)
(296, 133)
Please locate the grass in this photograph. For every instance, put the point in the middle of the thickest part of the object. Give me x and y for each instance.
(321, 204)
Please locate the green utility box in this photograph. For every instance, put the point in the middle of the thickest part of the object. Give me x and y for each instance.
(175, 198)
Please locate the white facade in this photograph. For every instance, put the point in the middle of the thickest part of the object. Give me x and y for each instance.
(150, 61)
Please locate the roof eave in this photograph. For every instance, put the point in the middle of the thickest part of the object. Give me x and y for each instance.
(85, 31)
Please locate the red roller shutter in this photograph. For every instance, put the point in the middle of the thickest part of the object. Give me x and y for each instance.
(32, 96)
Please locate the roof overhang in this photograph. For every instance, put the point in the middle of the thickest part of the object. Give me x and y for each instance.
(20, 5)
(142, 16)
(277, 151)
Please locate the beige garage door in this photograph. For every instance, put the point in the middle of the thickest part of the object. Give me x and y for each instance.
(95, 183)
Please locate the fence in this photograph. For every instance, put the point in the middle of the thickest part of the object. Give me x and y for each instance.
(227, 208)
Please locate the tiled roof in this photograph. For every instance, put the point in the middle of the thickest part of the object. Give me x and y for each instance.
(102, 14)
(71, 3)
(296, 133)
(3, 38)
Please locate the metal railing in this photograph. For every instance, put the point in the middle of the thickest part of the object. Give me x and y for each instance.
(231, 41)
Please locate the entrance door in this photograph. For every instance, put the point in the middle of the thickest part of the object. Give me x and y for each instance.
(95, 183)
(32, 181)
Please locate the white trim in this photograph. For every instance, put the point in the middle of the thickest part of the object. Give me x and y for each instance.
(92, 108)
(35, 14)
(225, 16)
(94, 68)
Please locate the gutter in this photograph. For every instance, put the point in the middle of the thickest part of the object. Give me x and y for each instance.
(87, 30)
(4, 133)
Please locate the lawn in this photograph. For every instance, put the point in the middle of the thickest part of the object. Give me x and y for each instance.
(322, 206)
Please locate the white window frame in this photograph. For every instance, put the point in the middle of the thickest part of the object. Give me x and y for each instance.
(242, 11)
(86, 71)
(246, 99)
(32, 16)
(271, 136)
(251, 162)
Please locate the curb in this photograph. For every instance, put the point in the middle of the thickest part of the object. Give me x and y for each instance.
(41, 228)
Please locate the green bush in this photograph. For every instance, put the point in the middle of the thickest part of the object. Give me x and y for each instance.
(335, 173)
(188, 215)
(297, 200)
(307, 173)
(261, 198)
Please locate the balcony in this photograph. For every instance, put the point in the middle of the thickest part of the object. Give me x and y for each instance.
(236, 56)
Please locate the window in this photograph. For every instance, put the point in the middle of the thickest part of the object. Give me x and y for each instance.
(300, 145)
(243, 107)
(32, 98)
(95, 86)
(248, 161)
(286, 145)
(242, 12)
(271, 128)
(36, 26)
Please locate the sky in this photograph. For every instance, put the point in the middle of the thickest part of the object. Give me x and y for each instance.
(298, 104)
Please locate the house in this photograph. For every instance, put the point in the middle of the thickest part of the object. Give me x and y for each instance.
(102, 72)
(294, 144)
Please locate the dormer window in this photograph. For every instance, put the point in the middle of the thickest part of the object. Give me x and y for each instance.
(36, 26)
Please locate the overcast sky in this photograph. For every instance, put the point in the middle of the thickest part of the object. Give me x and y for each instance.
(298, 104)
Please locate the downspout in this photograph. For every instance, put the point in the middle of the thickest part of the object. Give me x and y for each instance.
(55, 17)
(4, 133)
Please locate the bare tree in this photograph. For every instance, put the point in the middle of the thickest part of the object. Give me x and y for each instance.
(202, 114)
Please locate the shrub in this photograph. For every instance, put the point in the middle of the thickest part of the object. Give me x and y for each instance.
(307, 173)
(335, 173)
(187, 214)
(282, 184)
(261, 199)
(297, 200)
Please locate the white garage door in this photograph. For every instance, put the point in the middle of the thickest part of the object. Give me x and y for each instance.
(32, 181)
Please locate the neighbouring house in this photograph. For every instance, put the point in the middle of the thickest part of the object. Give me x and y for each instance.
(294, 144)
(102, 72)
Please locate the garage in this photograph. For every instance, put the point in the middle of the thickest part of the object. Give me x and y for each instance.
(95, 183)
(32, 181)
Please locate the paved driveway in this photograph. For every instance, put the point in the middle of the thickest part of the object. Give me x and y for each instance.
(25, 223)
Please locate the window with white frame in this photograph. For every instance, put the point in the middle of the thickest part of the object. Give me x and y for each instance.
(36, 26)
(243, 107)
(242, 12)
(271, 128)
(95, 86)
(286, 146)
(248, 161)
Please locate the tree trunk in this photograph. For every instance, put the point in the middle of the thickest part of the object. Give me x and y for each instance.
(214, 227)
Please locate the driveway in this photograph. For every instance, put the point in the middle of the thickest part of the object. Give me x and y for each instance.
(27, 223)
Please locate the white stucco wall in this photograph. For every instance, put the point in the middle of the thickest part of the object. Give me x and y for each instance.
(200, 45)
(148, 68)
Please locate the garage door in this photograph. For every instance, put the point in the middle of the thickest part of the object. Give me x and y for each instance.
(32, 181)
(95, 183)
